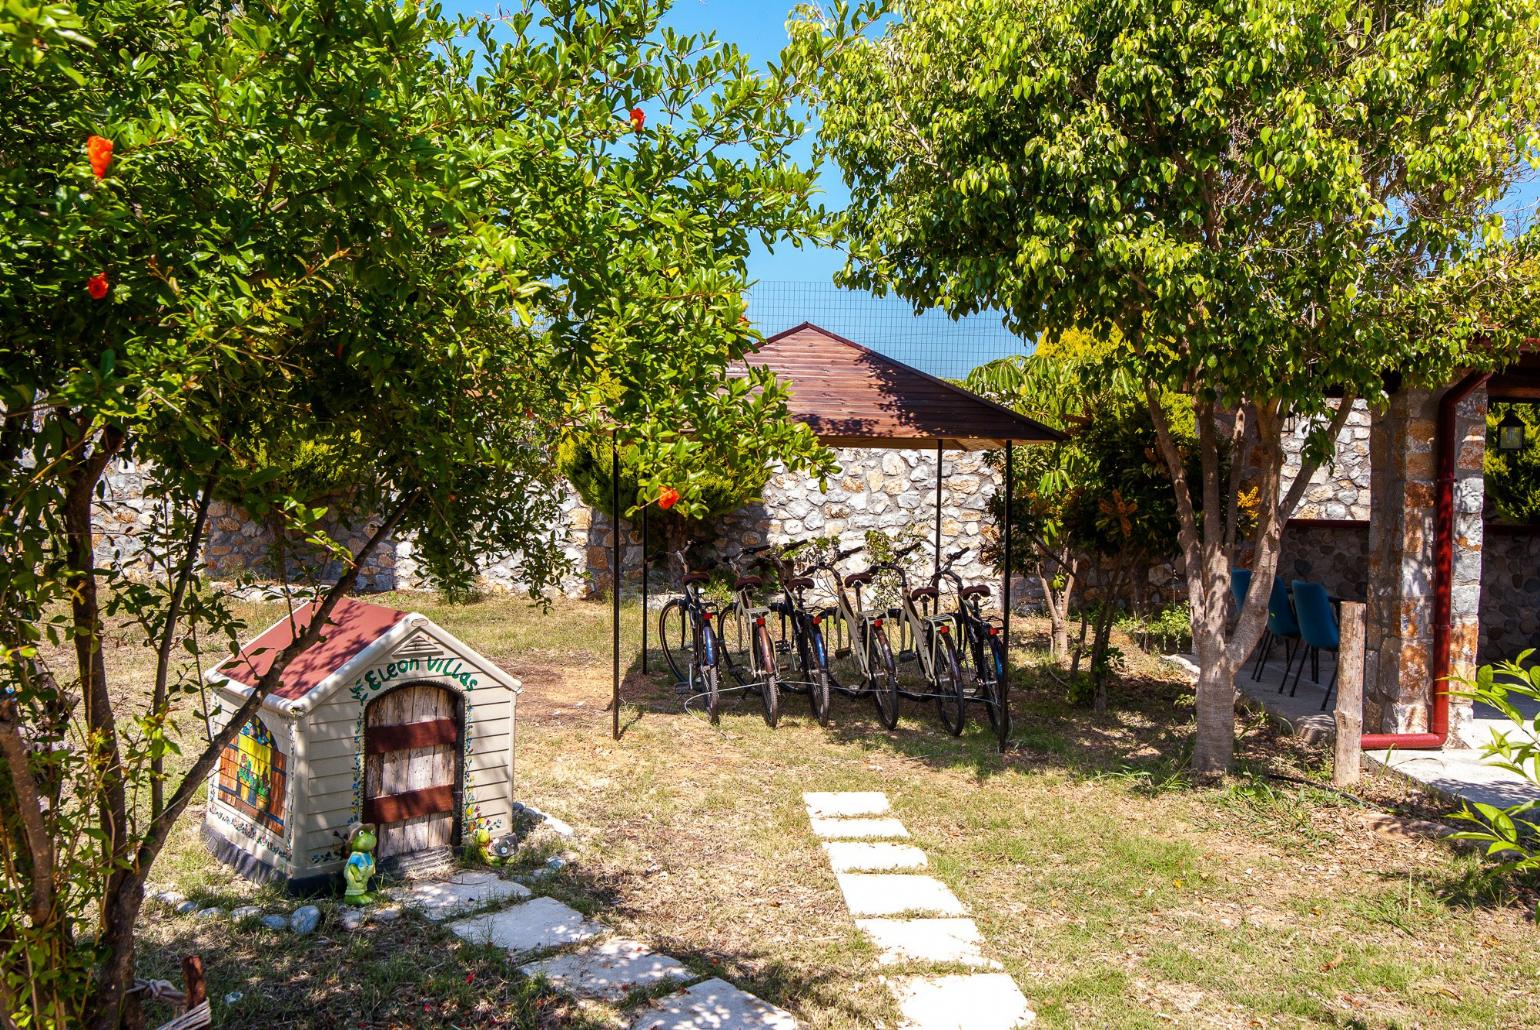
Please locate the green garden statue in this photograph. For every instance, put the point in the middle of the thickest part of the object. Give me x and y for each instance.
(360, 865)
(482, 843)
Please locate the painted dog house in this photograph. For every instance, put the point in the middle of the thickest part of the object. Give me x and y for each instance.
(387, 719)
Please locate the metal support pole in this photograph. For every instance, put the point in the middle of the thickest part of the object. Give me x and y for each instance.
(1005, 603)
(644, 589)
(615, 588)
(936, 575)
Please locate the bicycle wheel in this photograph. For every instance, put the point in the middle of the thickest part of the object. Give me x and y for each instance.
(705, 678)
(818, 676)
(737, 649)
(951, 691)
(674, 636)
(993, 686)
(764, 672)
(884, 682)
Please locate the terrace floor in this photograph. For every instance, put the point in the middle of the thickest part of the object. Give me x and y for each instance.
(1460, 772)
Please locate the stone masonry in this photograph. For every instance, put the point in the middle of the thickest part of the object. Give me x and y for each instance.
(893, 491)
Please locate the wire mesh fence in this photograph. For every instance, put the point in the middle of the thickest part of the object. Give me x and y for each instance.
(932, 342)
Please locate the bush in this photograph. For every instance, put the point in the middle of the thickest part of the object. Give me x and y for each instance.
(1510, 834)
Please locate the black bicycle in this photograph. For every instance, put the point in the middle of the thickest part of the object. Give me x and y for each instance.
(801, 634)
(983, 651)
(747, 649)
(690, 643)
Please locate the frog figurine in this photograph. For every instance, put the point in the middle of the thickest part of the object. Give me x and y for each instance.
(482, 840)
(360, 865)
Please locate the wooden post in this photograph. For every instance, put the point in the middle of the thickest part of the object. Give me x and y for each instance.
(1350, 696)
(615, 587)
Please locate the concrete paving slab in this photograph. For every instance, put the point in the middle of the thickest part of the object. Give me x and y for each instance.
(855, 857)
(926, 940)
(608, 971)
(856, 829)
(1460, 775)
(971, 1001)
(846, 802)
(713, 1005)
(533, 926)
(471, 889)
(888, 894)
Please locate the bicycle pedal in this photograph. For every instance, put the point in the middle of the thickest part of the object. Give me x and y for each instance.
(842, 652)
(907, 656)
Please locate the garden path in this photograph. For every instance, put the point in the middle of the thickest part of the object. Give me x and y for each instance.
(915, 921)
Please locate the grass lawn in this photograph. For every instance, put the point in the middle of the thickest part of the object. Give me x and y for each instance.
(1115, 893)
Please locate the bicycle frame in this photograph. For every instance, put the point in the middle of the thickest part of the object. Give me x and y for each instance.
(851, 619)
(917, 625)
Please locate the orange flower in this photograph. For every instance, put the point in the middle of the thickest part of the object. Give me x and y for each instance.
(96, 286)
(668, 498)
(638, 119)
(99, 150)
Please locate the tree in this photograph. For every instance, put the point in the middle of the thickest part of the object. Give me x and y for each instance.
(1512, 478)
(1271, 202)
(327, 262)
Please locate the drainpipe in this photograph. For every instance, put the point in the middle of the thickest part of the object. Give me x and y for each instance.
(1446, 447)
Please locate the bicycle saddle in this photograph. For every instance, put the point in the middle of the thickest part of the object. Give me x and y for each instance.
(748, 582)
(798, 583)
(856, 579)
(920, 593)
(975, 591)
(696, 577)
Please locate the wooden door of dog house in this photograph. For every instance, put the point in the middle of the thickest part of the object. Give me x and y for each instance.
(412, 738)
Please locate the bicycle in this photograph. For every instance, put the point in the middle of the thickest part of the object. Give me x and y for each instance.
(743, 631)
(699, 667)
(801, 634)
(985, 650)
(854, 625)
(928, 634)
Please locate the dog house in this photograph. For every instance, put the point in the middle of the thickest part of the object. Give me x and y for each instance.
(387, 719)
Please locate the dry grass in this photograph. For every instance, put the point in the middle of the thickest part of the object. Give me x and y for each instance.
(1113, 891)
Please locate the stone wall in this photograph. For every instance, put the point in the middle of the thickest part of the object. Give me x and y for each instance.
(1334, 553)
(1510, 592)
(1340, 489)
(893, 491)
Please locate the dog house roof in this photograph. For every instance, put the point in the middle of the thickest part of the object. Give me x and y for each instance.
(357, 634)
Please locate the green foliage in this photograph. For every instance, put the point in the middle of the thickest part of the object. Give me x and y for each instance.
(1509, 834)
(1512, 480)
(1165, 631)
(586, 461)
(364, 264)
(1265, 200)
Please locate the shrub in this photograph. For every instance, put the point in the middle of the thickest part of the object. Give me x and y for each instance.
(1510, 834)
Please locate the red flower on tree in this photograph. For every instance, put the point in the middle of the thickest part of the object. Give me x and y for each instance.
(99, 150)
(668, 498)
(638, 119)
(96, 286)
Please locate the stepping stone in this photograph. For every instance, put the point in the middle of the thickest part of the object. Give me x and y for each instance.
(925, 940)
(441, 899)
(533, 926)
(846, 803)
(833, 829)
(713, 1005)
(889, 894)
(851, 857)
(972, 1001)
(608, 971)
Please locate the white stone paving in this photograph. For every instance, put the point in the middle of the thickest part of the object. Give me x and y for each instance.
(608, 971)
(858, 857)
(713, 1005)
(846, 803)
(856, 829)
(888, 894)
(533, 926)
(468, 890)
(971, 1001)
(903, 941)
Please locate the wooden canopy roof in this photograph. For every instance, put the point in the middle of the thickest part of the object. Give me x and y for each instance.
(855, 397)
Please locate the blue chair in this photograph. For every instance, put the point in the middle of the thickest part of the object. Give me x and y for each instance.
(1240, 582)
(1282, 625)
(1318, 629)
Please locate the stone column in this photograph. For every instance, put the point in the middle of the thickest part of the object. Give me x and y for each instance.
(1402, 542)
